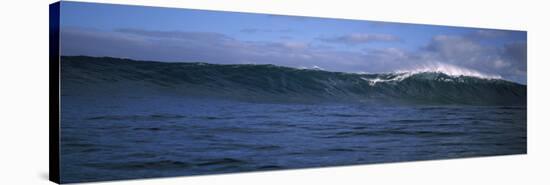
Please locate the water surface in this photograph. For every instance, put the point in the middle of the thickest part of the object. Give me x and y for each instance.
(123, 137)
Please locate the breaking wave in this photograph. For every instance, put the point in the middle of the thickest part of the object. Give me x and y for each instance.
(449, 70)
(435, 84)
(446, 69)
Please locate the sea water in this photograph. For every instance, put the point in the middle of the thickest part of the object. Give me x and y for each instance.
(123, 137)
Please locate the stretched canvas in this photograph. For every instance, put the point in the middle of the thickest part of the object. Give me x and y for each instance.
(140, 92)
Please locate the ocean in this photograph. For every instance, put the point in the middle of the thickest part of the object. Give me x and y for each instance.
(120, 120)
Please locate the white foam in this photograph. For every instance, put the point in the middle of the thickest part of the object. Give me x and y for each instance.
(314, 67)
(447, 69)
(450, 70)
(397, 78)
(317, 68)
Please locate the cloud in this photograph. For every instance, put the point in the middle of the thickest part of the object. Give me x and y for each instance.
(508, 60)
(203, 36)
(257, 30)
(516, 51)
(488, 34)
(178, 46)
(254, 30)
(93, 42)
(360, 38)
(455, 49)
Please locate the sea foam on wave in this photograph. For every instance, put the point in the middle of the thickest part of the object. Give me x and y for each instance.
(450, 70)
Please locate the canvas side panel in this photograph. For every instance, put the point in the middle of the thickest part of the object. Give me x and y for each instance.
(54, 77)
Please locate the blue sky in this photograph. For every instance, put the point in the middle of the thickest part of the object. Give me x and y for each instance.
(183, 35)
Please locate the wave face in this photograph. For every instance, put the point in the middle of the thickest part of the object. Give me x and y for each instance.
(93, 76)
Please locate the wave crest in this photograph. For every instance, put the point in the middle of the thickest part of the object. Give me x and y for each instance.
(450, 70)
(438, 84)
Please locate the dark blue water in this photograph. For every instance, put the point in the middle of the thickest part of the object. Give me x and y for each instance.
(119, 137)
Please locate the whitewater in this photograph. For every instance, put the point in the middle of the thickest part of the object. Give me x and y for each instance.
(447, 69)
